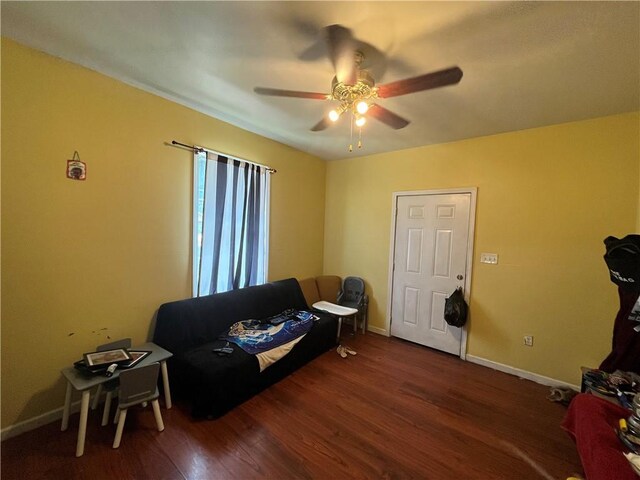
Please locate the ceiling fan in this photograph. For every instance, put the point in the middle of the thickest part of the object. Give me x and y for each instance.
(355, 88)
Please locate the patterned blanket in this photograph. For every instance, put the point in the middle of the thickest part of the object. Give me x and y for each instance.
(255, 336)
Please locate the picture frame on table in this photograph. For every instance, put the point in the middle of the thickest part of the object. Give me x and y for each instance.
(106, 357)
(136, 357)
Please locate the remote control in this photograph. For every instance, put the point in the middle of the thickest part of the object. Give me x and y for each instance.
(223, 350)
(111, 369)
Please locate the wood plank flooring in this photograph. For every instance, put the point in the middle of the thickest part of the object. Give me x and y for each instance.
(395, 410)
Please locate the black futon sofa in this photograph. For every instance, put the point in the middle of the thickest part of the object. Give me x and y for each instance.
(215, 384)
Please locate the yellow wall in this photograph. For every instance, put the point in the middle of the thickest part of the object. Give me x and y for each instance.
(547, 198)
(86, 260)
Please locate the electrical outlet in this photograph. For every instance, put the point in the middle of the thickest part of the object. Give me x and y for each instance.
(528, 340)
(490, 258)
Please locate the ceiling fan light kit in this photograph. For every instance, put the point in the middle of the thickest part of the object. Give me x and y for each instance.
(355, 88)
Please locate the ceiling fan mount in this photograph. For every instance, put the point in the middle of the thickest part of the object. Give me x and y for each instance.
(363, 90)
(355, 87)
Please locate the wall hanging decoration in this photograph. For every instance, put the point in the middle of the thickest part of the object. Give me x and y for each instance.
(76, 169)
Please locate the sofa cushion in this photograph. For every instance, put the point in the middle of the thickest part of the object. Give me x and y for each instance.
(186, 324)
(310, 290)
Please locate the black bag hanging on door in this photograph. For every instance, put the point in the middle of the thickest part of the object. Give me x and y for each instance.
(455, 309)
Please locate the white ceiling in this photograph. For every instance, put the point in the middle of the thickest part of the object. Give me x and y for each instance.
(526, 64)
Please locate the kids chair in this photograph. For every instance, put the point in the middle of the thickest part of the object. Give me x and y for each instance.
(138, 385)
(353, 296)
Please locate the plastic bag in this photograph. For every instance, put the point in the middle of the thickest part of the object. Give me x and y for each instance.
(455, 309)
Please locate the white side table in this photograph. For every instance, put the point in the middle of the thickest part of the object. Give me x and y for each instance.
(340, 312)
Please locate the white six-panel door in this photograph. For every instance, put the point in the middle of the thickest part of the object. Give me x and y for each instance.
(430, 258)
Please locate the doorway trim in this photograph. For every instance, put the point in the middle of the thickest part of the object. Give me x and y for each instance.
(473, 191)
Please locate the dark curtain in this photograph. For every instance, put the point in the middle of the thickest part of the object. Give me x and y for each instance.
(233, 251)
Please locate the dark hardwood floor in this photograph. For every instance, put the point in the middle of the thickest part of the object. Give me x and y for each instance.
(395, 410)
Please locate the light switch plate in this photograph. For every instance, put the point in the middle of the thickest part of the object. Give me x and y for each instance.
(490, 258)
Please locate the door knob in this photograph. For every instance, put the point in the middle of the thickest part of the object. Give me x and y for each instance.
(459, 277)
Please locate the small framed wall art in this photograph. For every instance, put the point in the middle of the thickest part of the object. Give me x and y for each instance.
(76, 169)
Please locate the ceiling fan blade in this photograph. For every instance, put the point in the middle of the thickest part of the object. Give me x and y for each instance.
(276, 92)
(321, 125)
(375, 61)
(387, 117)
(342, 49)
(449, 76)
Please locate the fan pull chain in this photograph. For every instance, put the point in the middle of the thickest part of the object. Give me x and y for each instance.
(360, 137)
(351, 136)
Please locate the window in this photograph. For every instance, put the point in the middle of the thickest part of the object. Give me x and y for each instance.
(230, 224)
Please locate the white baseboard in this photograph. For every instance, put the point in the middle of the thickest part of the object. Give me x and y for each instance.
(39, 421)
(551, 382)
(378, 330)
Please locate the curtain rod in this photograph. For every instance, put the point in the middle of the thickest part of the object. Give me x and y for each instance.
(197, 149)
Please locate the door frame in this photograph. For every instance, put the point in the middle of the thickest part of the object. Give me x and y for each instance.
(473, 191)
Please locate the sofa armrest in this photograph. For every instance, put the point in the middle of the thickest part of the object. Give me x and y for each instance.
(309, 290)
(328, 287)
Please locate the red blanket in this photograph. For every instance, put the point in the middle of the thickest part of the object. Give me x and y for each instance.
(591, 421)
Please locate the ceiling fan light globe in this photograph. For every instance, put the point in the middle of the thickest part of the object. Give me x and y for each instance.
(334, 115)
(362, 107)
(360, 121)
